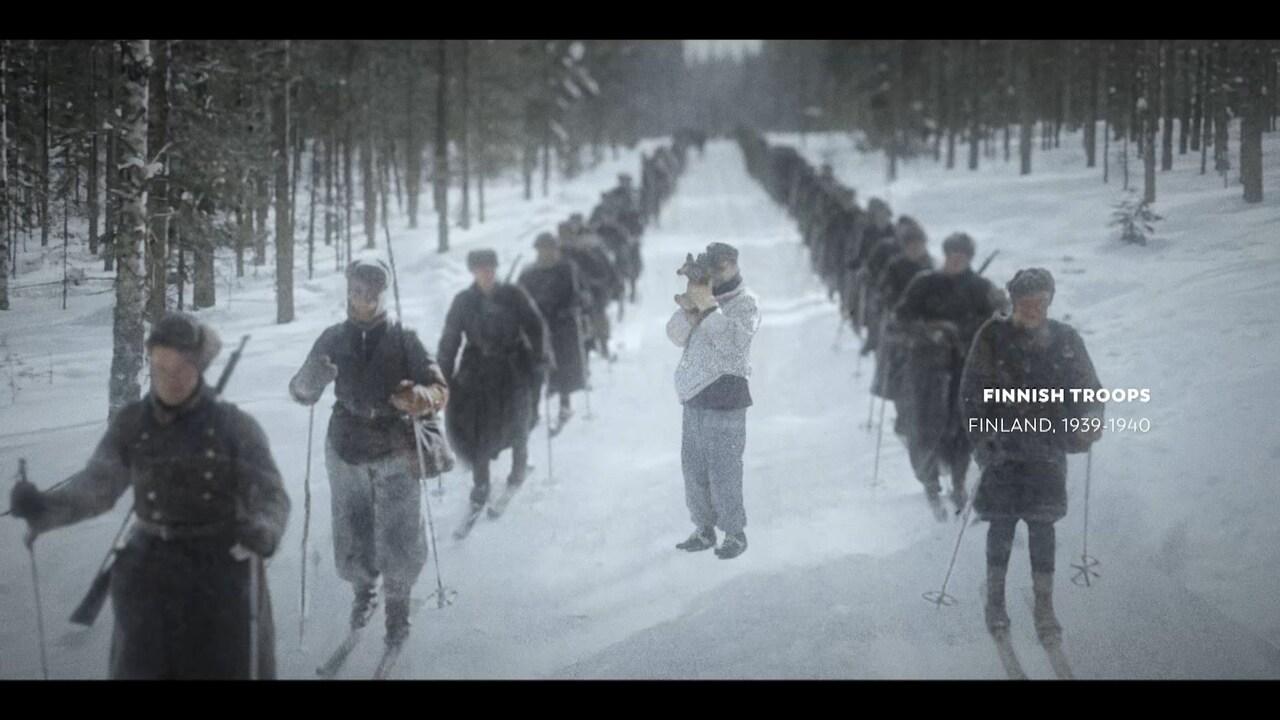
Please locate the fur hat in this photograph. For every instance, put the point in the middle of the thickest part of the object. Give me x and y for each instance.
(373, 273)
(910, 231)
(1031, 280)
(545, 239)
(482, 258)
(959, 243)
(718, 252)
(186, 334)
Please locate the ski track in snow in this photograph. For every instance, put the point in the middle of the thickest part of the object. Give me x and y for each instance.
(580, 578)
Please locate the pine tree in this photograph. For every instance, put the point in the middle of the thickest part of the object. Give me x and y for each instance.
(131, 139)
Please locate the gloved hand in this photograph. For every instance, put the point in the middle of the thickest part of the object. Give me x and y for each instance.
(412, 399)
(685, 303)
(328, 371)
(26, 501)
(701, 297)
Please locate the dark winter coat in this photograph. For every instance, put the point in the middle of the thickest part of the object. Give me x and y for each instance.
(870, 240)
(556, 291)
(497, 372)
(964, 299)
(203, 480)
(892, 349)
(372, 360)
(1024, 473)
(935, 319)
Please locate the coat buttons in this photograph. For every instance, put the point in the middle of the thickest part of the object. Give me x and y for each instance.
(207, 496)
(209, 432)
(145, 435)
(208, 474)
(156, 515)
(209, 453)
(151, 495)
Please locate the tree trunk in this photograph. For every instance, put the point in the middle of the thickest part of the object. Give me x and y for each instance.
(482, 151)
(1197, 103)
(1150, 119)
(45, 141)
(328, 188)
(157, 203)
(1206, 105)
(464, 220)
(284, 228)
(368, 182)
(5, 226)
(1183, 78)
(111, 203)
(1166, 105)
(1221, 121)
(311, 212)
(95, 125)
(204, 292)
(1025, 117)
(127, 325)
(1252, 119)
(1091, 107)
(413, 150)
(263, 204)
(442, 148)
(975, 103)
(244, 229)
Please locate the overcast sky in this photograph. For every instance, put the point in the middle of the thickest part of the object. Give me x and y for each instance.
(703, 48)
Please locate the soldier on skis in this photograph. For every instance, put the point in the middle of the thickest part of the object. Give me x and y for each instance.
(385, 380)
(715, 323)
(493, 382)
(1024, 474)
(938, 314)
(209, 505)
(555, 286)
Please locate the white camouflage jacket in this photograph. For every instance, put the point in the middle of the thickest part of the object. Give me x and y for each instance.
(718, 345)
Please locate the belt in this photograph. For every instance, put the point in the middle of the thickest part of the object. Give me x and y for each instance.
(367, 414)
(168, 532)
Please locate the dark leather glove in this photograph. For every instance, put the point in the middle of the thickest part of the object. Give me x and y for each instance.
(26, 501)
(256, 538)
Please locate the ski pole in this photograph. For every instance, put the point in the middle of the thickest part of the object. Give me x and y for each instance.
(306, 527)
(550, 474)
(875, 473)
(1085, 570)
(443, 597)
(940, 597)
(35, 582)
(253, 613)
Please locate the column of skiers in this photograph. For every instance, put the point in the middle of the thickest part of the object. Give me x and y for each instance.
(940, 336)
(187, 585)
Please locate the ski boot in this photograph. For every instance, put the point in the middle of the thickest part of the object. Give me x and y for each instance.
(933, 495)
(701, 539)
(364, 605)
(996, 615)
(734, 544)
(1048, 629)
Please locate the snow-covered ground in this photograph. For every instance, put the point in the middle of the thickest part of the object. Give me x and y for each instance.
(580, 579)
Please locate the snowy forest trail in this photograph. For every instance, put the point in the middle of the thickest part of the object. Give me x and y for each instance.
(580, 578)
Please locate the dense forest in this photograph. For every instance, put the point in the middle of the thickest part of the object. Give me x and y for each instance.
(157, 155)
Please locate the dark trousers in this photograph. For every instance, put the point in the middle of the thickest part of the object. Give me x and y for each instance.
(1040, 538)
(519, 462)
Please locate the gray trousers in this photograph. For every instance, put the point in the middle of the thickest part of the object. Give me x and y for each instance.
(711, 448)
(377, 522)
